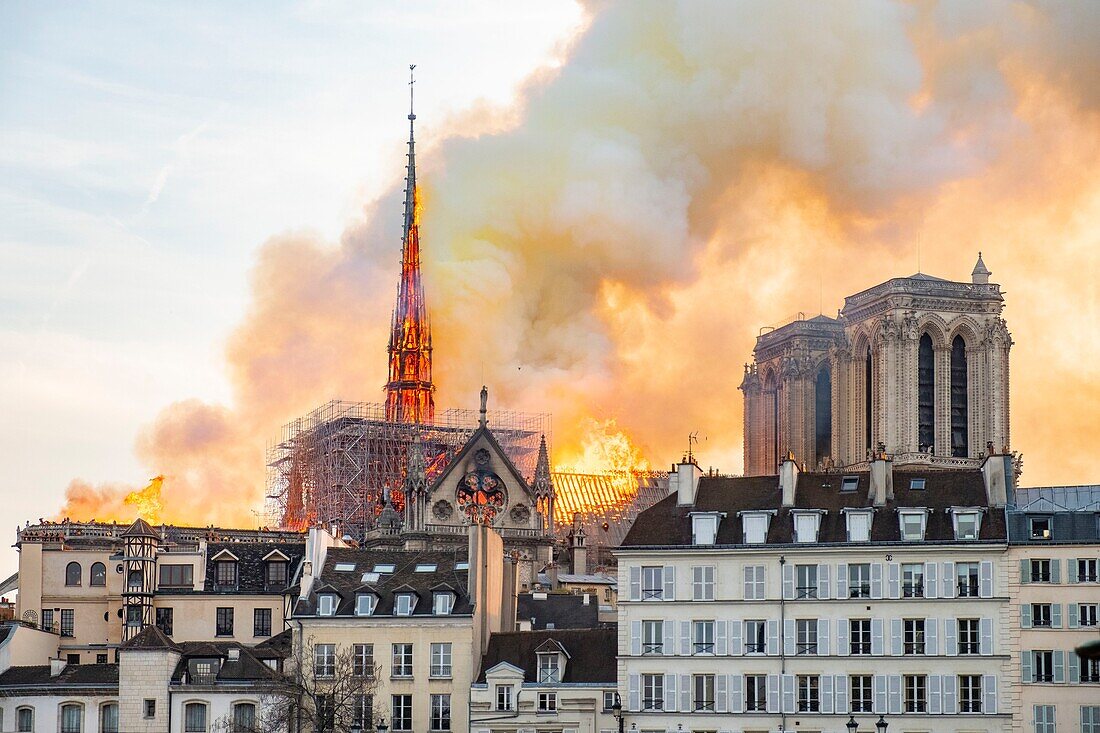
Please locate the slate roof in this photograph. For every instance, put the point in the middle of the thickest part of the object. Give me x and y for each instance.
(347, 584)
(151, 637)
(103, 675)
(666, 524)
(248, 667)
(591, 654)
(558, 610)
(251, 568)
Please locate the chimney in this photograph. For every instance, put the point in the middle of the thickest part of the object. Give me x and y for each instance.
(552, 571)
(999, 475)
(788, 478)
(882, 479)
(580, 551)
(509, 589)
(57, 666)
(687, 475)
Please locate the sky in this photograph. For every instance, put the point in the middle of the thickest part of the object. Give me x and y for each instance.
(199, 217)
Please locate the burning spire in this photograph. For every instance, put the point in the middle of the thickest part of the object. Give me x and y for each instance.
(409, 391)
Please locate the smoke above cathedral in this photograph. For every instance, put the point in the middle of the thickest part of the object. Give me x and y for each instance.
(608, 248)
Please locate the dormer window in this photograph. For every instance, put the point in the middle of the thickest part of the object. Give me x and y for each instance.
(916, 484)
(704, 527)
(755, 526)
(326, 604)
(425, 567)
(806, 525)
(344, 567)
(1040, 528)
(365, 603)
(276, 574)
(225, 573)
(849, 484)
(967, 522)
(383, 568)
(911, 524)
(549, 668)
(442, 603)
(403, 604)
(859, 525)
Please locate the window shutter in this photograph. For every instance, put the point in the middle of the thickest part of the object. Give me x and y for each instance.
(1059, 665)
(950, 694)
(893, 693)
(748, 583)
(1071, 608)
(985, 640)
(721, 694)
(877, 637)
(1071, 570)
(949, 587)
(842, 647)
(985, 579)
(840, 692)
(935, 694)
(880, 694)
(788, 637)
(736, 648)
(685, 638)
(823, 589)
(823, 637)
(931, 636)
(842, 581)
(826, 693)
(931, 580)
(989, 694)
(1055, 571)
(895, 637)
(1025, 571)
(1025, 616)
(876, 580)
(670, 693)
(634, 697)
(1027, 666)
(772, 643)
(737, 693)
(635, 638)
(685, 693)
(668, 638)
(787, 683)
(720, 648)
(1056, 616)
(788, 581)
(893, 579)
(951, 637)
(670, 583)
(1074, 668)
(773, 693)
(635, 583)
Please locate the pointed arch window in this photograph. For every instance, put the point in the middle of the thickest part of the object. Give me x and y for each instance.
(926, 395)
(823, 414)
(960, 447)
(771, 420)
(868, 397)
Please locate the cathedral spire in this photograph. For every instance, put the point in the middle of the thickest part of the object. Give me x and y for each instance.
(981, 273)
(409, 391)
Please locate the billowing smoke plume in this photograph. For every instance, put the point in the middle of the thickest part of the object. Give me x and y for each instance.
(692, 172)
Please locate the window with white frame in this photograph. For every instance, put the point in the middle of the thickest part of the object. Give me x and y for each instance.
(916, 693)
(1043, 665)
(609, 697)
(913, 632)
(1090, 719)
(441, 712)
(859, 580)
(805, 526)
(549, 668)
(859, 636)
(402, 660)
(849, 484)
(108, 718)
(966, 573)
(401, 712)
(244, 718)
(969, 636)
(1044, 718)
(912, 525)
(194, 717)
(862, 693)
(1087, 570)
(440, 659)
(755, 632)
(1040, 571)
(702, 634)
(806, 636)
(1039, 528)
(912, 580)
(809, 695)
(970, 693)
(1089, 670)
(326, 604)
(756, 693)
(403, 604)
(24, 719)
(363, 660)
(365, 603)
(653, 582)
(967, 523)
(754, 583)
(702, 692)
(504, 697)
(859, 525)
(324, 660)
(653, 639)
(1040, 615)
(702, 583)
(755, 527)
(443, 602)
(1086, 614)
(547, 702)
(704, 528)
(653, 692)
(72, 719)
(806, 581)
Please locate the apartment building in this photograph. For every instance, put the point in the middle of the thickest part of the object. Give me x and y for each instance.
(1054, 552)
(806, 600)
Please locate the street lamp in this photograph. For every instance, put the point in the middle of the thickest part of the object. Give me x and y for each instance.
(881, 725)
(852, 725)
(617, 711)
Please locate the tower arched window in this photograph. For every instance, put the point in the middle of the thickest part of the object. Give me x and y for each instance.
(135, 580)
(771, 420)
(926, 394)
(868, 398)
(72, 573)
(98, 574)
(960, 447)
(823, 414)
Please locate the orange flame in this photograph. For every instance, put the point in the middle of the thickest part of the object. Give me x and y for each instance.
(147, 500)
(606, 449)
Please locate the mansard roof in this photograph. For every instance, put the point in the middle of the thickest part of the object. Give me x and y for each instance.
(557, 611)
(248, 667)
(73, 675)
(591, 653)
(251, 567)
(151, 638)
(668, 525)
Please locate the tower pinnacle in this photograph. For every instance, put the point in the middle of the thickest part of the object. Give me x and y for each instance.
(409, 397)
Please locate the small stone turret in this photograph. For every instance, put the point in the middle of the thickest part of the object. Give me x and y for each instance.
(981, 273)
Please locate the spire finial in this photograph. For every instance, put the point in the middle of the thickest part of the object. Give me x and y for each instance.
(981, 273)
(483, 419)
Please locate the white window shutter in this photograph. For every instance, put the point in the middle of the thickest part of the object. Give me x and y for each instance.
(1055, 571)
(1074, 667)
(826, 693)
(931, 580)
(635, 583)
(877, 640)
(749, 576)
(1056, 616)
(1059, 665)
(788, 581)
(949, 586)
(668, 638)
(935, 694)
(773, 693)
(989, 694)
(787, 684)
(1071, 572)
(985, 637)
(634, 696)
(842, 646)
(1027, 667)
(951, 637)
(1071, 610)
(685, 693)
(736, 647)
(1025, 571)
(893, 693)
(823, 586)
(1025, 615)
(932, 636)
(670, 693)
(950, 694)
(771, 647)
(635, 638)
(720, 647)
(880, 694)
(893, 579)
(721, 693)
(840, 692)
(876, 580)
(737, 693)
(842, 580)
(985, 579)
(788, 637)
(895, 636)
(823, 637)
(670, 583)
(685, 638)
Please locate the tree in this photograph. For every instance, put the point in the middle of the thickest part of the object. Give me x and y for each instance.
(323, 688)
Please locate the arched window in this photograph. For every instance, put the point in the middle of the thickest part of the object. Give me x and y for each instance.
(823, 414)
(24, 719)
(868, 397)
(98, 575)
(959, 420)
(134, 580)
(244, 717)
(771, 420)
(72, 718)
(108, 718)
(926, 395)
(194, 717)
(72, 573)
